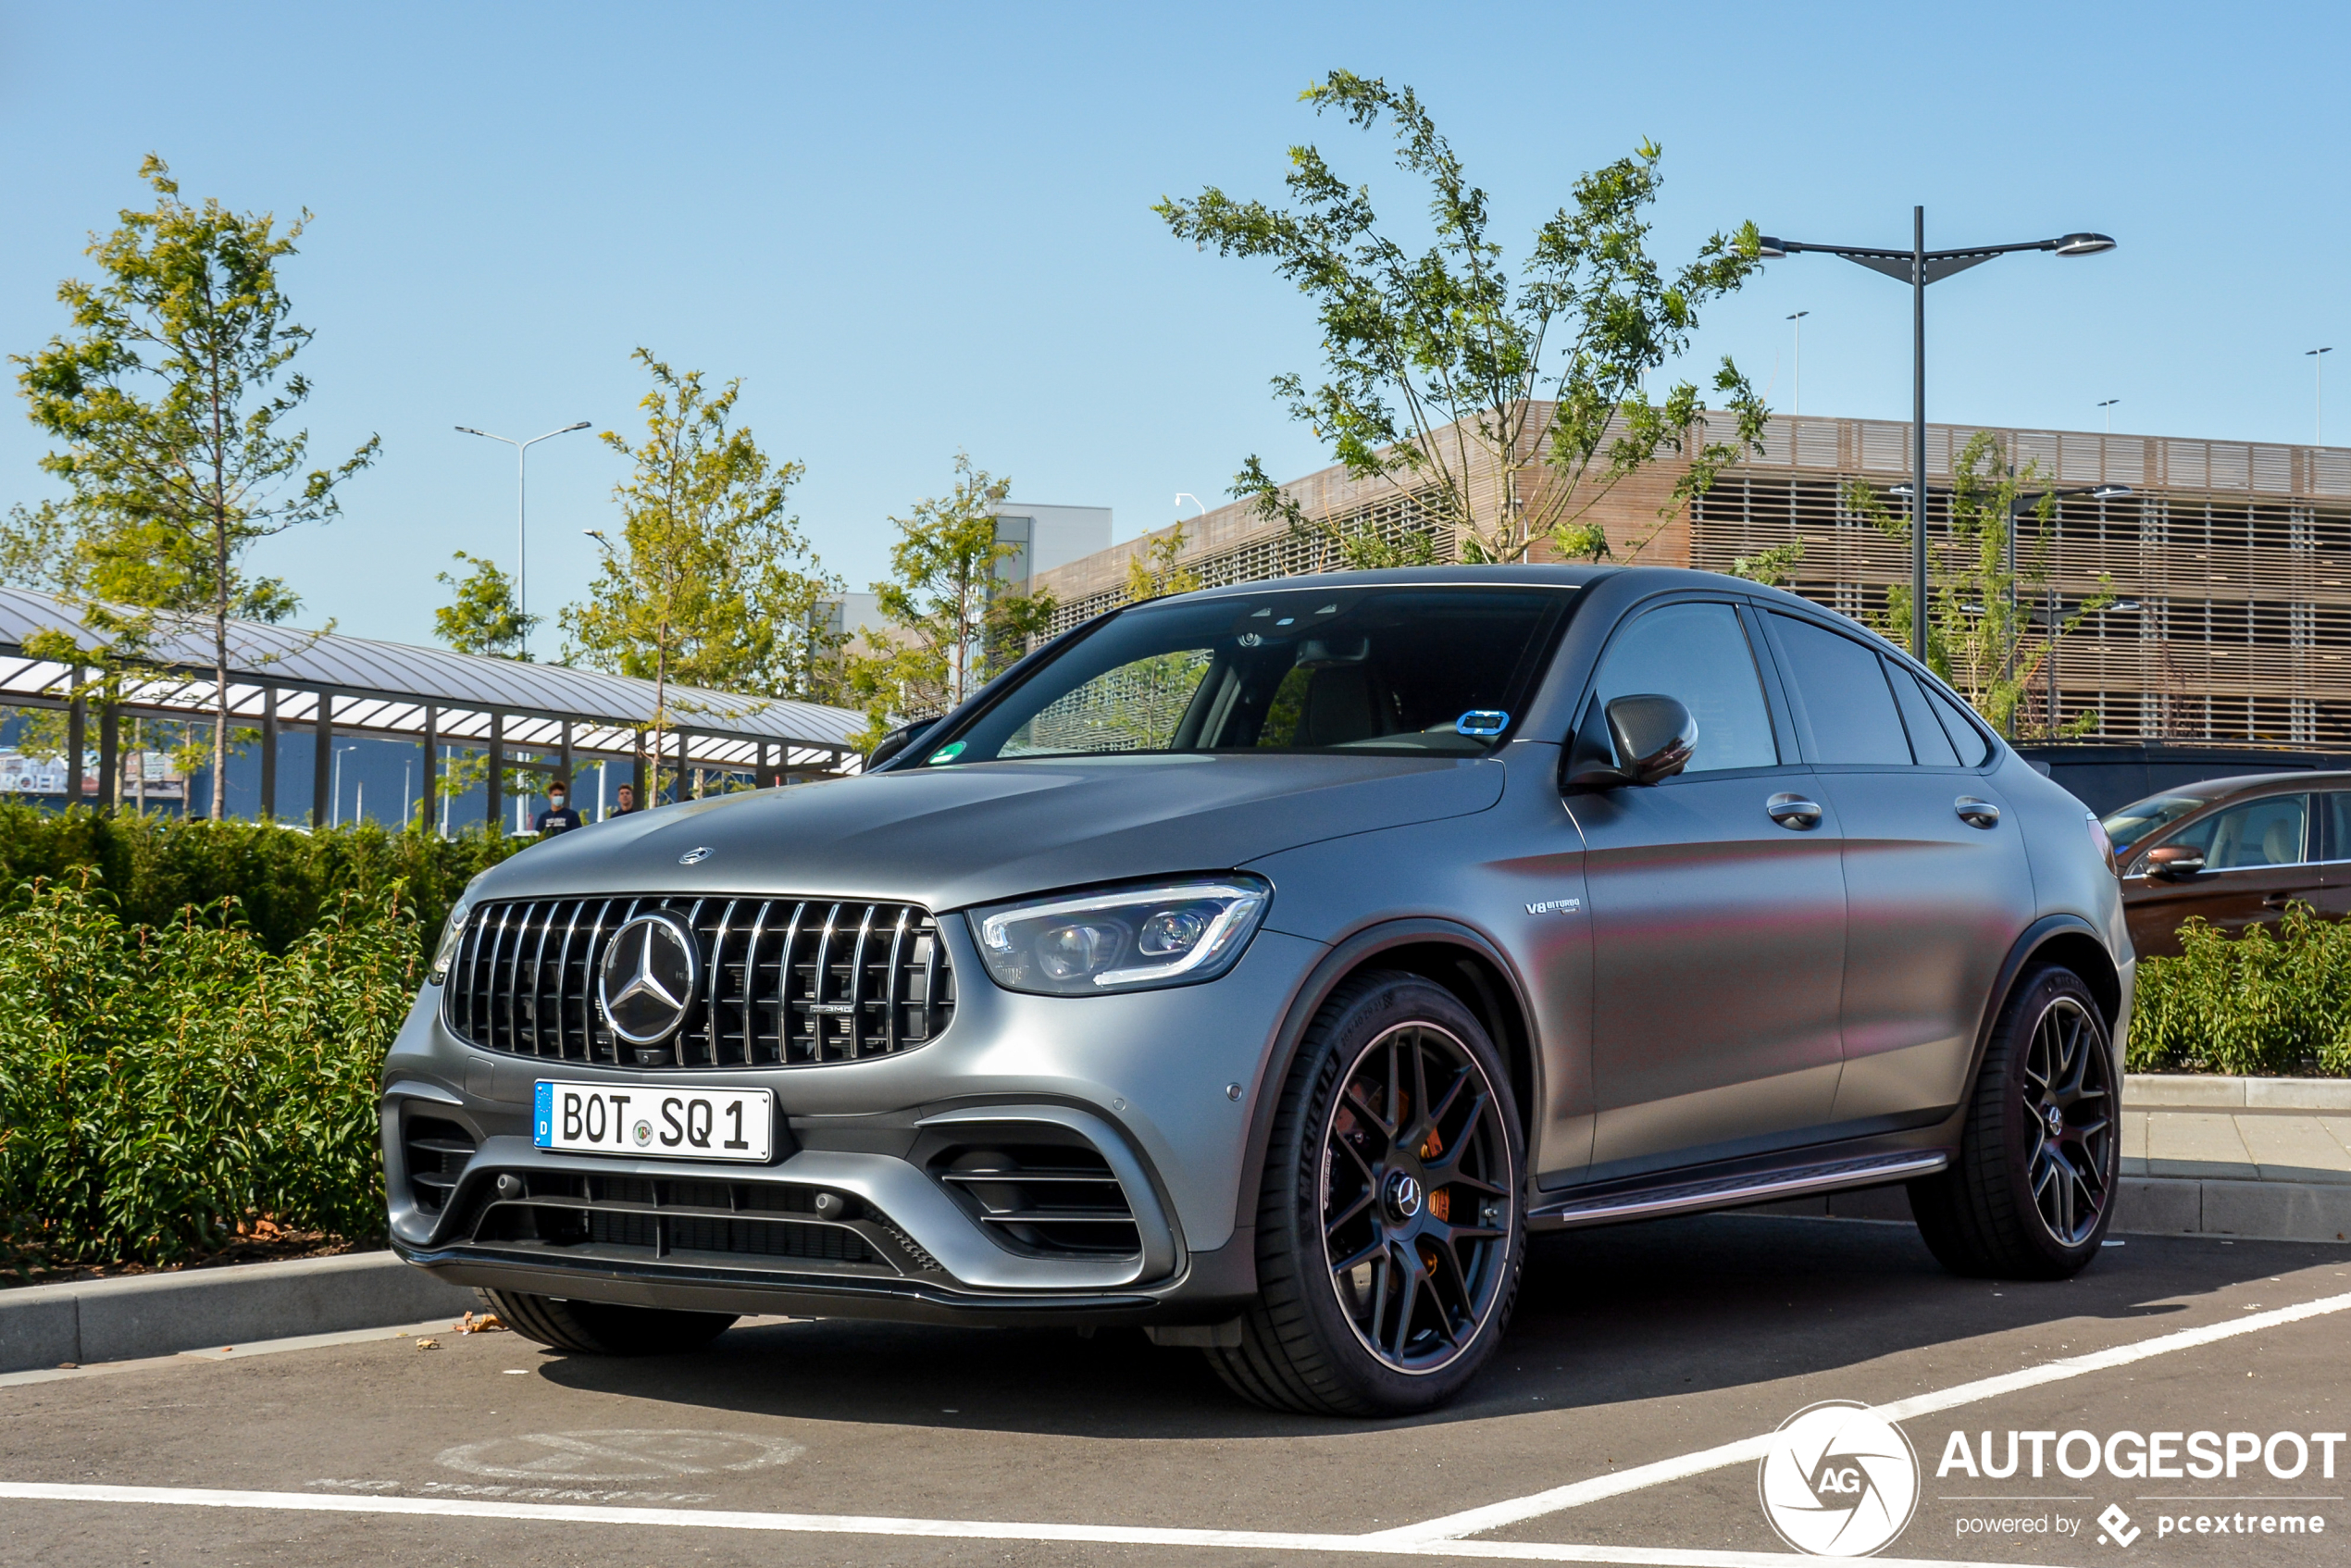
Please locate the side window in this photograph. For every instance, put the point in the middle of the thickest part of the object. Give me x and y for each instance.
(1844, 694)
(1974, 750)
(1927, 738)
(2274, 830)
(2338, 826)
(1698, 653)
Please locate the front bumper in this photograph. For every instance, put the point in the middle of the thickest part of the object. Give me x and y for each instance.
(859, 1216)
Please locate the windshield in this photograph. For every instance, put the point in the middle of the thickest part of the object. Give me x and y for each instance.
(2140, 818)
(1410, 669)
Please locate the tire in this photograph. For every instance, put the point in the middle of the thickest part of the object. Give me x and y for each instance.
(602, 1328)
(2029, 1196)
(1415, 1299)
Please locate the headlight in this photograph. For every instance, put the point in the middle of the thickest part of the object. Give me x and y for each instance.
(1128, 939)
(453, 932)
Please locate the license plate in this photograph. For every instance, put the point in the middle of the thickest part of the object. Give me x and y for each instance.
(703, 1124)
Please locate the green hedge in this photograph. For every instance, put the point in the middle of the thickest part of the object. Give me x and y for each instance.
(284, 880)
(158, 1086)
(2263, 1004)
(193, 1019)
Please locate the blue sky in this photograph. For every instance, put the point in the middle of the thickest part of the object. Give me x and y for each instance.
(913, 230)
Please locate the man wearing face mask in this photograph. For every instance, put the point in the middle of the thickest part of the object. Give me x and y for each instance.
(559, 817)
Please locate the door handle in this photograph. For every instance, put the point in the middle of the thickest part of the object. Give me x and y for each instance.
(1975, 812)
(2279, 900)
(1793, 811)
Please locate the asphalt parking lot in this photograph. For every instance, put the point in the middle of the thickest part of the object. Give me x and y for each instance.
(1621, 1423)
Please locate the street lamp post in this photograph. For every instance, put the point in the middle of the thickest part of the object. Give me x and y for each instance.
(522, 547)
(1797, 397)
(2109, 407)
(1919, 266)
(2317, 357)
(334, 810)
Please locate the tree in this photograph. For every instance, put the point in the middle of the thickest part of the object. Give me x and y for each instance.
(1772, 568)
(951, 623)
(1438, 361)
(171, 398)
(481, 615)
(1986, 634)
(710, 583)
(1156, 570)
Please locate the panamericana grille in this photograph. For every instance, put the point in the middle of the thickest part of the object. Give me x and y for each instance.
(785, 982)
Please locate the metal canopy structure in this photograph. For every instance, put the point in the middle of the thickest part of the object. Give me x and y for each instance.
(327, 683)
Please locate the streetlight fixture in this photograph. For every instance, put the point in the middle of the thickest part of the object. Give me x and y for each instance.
(2319, 394)
(1184, 495)
(1918, 266)
(522, 548)
(1797, 396)
(2109, 407)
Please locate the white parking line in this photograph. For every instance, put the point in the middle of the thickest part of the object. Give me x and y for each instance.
(952, 1529)
(1493, 1517)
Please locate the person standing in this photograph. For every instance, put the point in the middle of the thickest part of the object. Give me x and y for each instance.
(560, 815)
(625, 801)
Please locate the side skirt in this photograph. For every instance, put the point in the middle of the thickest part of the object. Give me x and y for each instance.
(1731, 1191)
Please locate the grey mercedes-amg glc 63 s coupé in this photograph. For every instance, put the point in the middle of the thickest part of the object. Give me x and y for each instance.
(1259, 967)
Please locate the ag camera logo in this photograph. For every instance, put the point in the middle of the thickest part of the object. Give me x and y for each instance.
(1839, 1481)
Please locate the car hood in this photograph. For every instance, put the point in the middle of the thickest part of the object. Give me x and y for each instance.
(947, 837)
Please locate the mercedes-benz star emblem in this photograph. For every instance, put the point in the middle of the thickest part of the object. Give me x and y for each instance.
(647, 979)
(696, 856)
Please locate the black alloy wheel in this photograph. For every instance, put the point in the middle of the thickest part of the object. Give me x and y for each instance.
(1389, 1221)
(2068, 1098)
(1415, 1223)
(2030, 1193)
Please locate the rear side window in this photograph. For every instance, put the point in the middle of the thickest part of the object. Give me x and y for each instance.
(1698, 653)
(1844, 694)
(1927, 738)
(1973, 748)
(2338, 826)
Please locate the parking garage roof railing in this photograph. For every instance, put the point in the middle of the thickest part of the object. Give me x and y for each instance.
(394, 691)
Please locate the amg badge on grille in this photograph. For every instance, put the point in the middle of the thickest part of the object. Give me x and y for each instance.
(647, 979)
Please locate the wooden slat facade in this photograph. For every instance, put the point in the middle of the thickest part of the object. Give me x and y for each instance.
(2236, 555)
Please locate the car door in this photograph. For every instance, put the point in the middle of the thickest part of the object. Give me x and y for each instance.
(1718, 931)
(2258, 855)
(1937, 886)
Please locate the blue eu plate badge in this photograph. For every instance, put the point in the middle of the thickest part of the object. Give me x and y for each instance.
(543, 1113)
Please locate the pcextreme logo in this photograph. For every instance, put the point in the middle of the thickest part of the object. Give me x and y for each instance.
(1839, 1481)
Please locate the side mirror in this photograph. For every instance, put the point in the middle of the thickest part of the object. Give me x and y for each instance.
(898, 740)
(1640, 740)
(2175, 860)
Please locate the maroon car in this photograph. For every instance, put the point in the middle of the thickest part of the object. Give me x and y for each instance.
(2233, 850)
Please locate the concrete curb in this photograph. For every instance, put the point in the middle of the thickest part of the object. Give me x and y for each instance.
(2252, 1210)
(2164, 1091)
(161, 1315)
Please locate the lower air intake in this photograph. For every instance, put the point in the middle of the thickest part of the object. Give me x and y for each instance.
(436, 1151)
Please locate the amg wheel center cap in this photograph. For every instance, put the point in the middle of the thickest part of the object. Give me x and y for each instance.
(2056, 1119)
(646, 980)
(1403, 1195)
